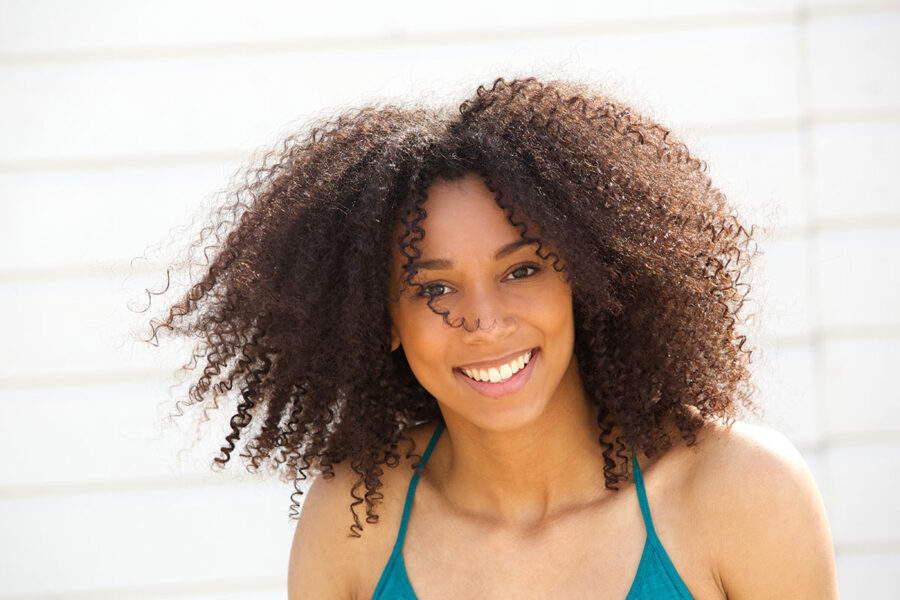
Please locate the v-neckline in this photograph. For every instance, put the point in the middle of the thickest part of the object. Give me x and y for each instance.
(649, 547)
(652, 543)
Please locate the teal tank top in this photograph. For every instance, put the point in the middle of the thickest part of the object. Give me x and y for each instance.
(656, 577)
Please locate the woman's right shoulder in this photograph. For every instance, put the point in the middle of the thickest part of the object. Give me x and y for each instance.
(326, 560)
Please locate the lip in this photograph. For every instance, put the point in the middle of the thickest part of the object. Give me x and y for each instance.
(511, 385)
(498, 362)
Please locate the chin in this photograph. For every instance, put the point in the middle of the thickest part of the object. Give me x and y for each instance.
(499, 417)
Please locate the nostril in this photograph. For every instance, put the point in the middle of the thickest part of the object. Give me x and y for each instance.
(480, 325)
(471, 326)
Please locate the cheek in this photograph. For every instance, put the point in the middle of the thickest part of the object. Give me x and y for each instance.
(423, 340)
(559, 323)
(427, 363)
(557, 307)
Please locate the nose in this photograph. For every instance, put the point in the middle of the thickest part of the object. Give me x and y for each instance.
(488, 317)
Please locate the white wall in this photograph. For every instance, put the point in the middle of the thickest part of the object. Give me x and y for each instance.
(119, 118)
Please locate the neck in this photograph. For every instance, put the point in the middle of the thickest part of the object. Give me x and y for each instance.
(528, 477)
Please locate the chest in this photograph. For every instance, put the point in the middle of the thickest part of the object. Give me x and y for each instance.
(595, 553)
(567, 561)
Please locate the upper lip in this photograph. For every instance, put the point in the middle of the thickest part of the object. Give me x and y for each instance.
(497, 362)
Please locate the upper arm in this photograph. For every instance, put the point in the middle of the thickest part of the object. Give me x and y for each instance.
(775, 539)
(323, 559)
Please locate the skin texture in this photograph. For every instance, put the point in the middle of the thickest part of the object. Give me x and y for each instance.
(511, 456)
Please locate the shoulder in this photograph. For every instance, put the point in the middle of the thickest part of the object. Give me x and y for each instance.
(768, 531)
(750, 467)
(728, 454)
(323, 558)
(326, 561)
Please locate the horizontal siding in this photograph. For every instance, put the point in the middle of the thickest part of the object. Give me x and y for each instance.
(132, 24)
(869, 576)
(147, 538)
(859, 279)
(78, 325)
(850, 61)
(858, 389)
(122, 120)
(134, 444)
(102, 217)
(863, 507)
(241, 102)
(850, 161)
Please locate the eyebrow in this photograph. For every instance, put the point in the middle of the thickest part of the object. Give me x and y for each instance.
(437, 264)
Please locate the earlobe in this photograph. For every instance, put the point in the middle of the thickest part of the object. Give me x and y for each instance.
(395, 338)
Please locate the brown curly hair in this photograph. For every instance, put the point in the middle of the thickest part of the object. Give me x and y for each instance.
(292, 309)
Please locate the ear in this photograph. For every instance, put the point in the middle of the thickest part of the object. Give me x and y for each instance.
(395, 338)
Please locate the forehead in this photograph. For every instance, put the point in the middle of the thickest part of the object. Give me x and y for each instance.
(463, 215)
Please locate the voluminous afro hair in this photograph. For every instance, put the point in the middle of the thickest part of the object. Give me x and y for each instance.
(291, 309)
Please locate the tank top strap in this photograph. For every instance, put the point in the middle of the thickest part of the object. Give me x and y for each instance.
(642, 494)
(411, 491)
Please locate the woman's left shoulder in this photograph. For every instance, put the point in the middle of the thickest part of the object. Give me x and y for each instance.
(749, 471)
(742, 454)
(757, 492)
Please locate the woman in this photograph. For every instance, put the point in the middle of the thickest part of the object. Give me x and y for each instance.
(542, 290)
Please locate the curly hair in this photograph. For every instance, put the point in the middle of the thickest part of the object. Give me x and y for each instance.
(292, 307)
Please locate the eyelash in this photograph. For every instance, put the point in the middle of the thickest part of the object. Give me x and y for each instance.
(423, 291)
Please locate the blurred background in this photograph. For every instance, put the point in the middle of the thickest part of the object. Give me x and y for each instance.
(121, 120)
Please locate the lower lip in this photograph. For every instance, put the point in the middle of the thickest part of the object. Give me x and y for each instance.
(511, 385)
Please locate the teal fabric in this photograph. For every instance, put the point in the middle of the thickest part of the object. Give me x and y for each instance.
(656, 577)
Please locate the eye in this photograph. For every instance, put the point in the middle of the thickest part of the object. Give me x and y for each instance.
(523, 271)
(432, 290)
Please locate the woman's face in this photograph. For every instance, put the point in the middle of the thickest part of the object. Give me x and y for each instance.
(476, 266)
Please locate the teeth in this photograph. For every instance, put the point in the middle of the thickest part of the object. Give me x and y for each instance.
(499, 374)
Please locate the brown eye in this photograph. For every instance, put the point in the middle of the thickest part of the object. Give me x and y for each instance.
(523, 271)
(433, 290)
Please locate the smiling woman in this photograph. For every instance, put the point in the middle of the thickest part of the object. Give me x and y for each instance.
(511, 307)
(542, 289)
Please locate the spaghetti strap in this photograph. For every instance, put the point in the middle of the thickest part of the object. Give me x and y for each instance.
(642, 494)
(656, 576)
(411, 491)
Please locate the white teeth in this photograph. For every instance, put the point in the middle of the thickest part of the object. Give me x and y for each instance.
(499, 374)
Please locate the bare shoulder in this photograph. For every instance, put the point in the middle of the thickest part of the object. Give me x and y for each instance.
(326, 560)
(323, 558)
(741, 448)
(742, 473)
(771, 536)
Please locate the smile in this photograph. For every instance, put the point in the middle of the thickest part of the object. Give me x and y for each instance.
(500, 380)
(502, 373)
